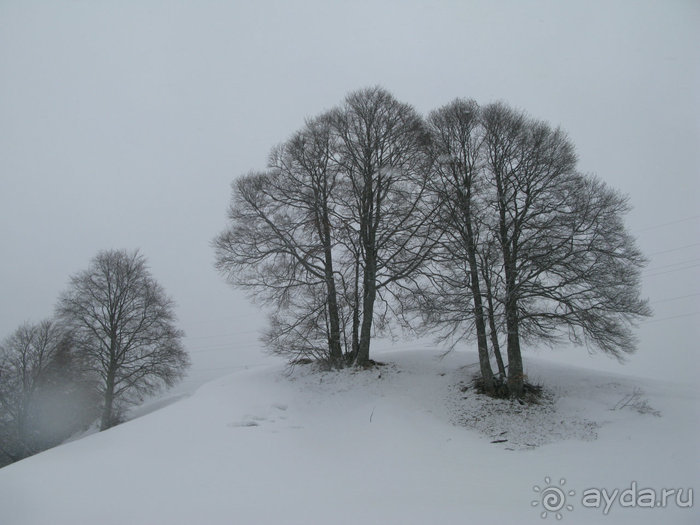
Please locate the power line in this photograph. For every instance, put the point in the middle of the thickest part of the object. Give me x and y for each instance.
(675, 298)
(223, 346)
(679, 263)
(229, 367)
(692, 314)
(675, 249)
(232, 334)
(663, 225)
(671, 271)
(653, 272)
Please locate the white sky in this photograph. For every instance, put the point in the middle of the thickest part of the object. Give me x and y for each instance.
(122, 125)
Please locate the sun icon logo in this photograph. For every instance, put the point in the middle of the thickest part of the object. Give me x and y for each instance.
(553, 498)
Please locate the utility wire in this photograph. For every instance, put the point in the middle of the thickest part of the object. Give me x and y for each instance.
(675, 249)
(231, 334)
(229, 367)
(671, 271)
(679, 263)
(663, 225)
(675, 298)
(692, 314)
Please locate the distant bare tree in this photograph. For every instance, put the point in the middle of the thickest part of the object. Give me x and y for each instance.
(122, 321)
(24, 359)
(44, 394)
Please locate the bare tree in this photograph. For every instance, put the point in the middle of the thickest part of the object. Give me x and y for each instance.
(24, 358)
(310, 178)
(567, 260)
(44, 396)
(477, 219)
(457, 178)
(531, 250)
(122, 321)
(336, 221)
(491, 272)
(583, 276)
(383, 157)
(281, 244)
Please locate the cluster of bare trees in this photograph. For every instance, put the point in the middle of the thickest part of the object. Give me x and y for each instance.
(340, 216)
(531, 249)
(44, 397)
(473, 223)
(113, 340)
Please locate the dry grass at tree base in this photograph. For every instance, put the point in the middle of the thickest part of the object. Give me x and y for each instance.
(532, 394)
(326, 365)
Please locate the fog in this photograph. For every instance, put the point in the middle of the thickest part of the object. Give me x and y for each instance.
(122, 125)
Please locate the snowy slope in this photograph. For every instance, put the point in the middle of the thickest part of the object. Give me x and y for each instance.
(399, 444)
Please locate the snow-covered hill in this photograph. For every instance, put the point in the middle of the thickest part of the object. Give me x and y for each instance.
(403, 443)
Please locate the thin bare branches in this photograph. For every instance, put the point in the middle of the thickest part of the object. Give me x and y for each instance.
(122, 321)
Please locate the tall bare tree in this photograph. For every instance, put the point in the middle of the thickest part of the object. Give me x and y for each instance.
(531, 250)
(337, 219)
(281, 244)
(121, 320)
(383, 156)
(457, 179)
(310, 178)
(567, 260)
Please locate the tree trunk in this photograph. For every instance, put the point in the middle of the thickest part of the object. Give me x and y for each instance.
(368, 221)
(496, 347)
(515, 360)
(334, 345)
(482, 344)
(355, 315)
(107, 416)
(516, 378)
(492, 327)
(368, 298)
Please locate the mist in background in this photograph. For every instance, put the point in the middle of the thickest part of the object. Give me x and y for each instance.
(122, 125)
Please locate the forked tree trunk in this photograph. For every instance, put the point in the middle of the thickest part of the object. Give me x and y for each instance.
(515, 360)
(334, 344)
(492, 328)
(482, 344)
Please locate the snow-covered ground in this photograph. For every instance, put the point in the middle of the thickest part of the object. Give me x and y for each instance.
(408, 442)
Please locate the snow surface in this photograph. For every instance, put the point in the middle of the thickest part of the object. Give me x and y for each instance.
(408, 442)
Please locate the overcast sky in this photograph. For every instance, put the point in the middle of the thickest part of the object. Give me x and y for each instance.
(123, 123)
